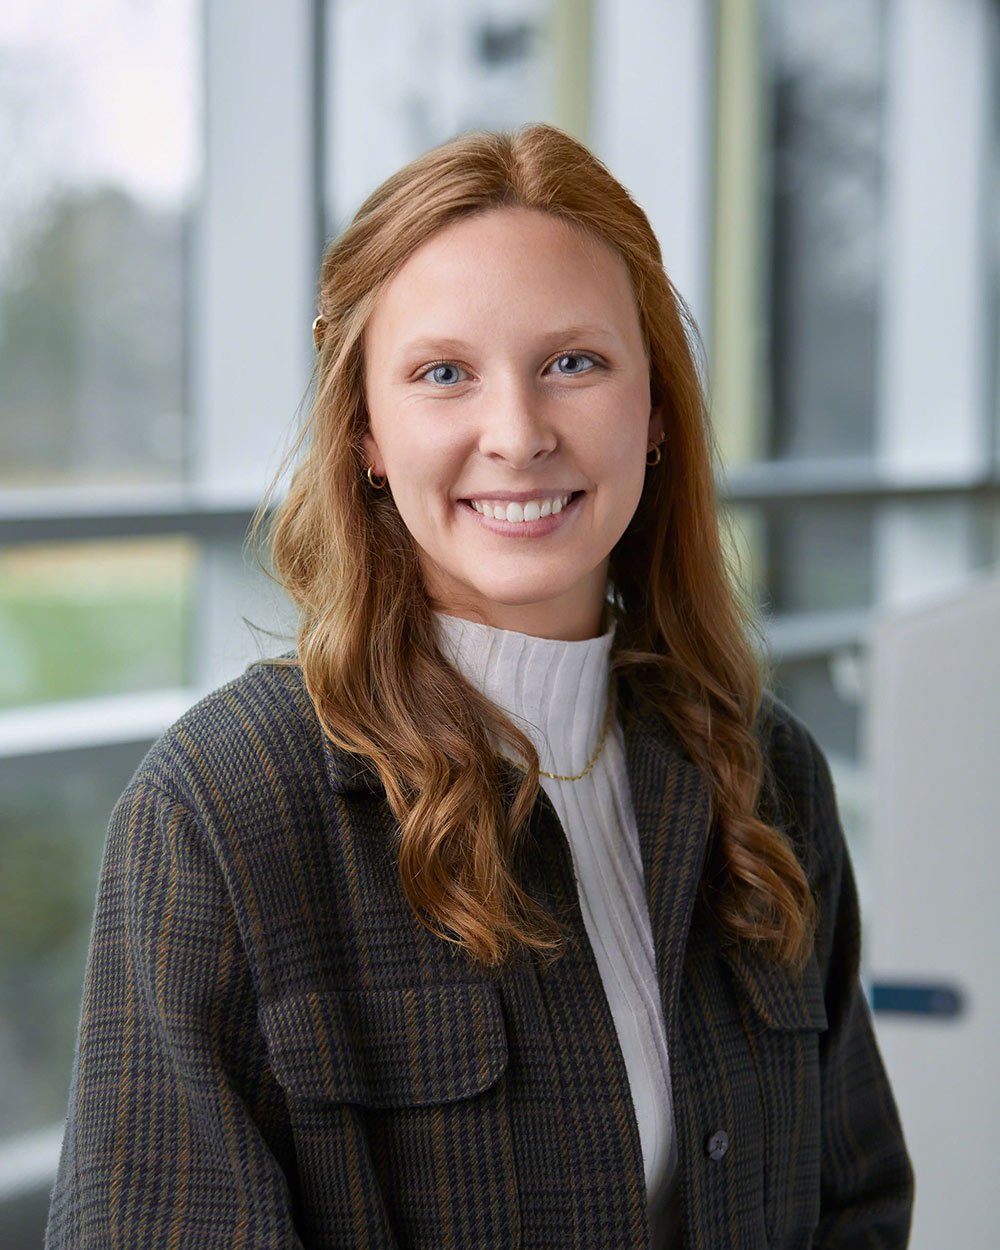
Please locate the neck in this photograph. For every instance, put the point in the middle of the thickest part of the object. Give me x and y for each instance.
(572, 615)
(539, 620)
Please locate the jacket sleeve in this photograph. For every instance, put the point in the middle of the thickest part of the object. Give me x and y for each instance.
(175, 1133)
(867, 1178)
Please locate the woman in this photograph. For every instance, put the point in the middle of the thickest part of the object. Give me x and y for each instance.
(504, 912)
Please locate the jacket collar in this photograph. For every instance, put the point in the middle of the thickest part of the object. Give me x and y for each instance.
(672, 808)
(350, 773)
(671, 802)
(654, 758)
(346, 771)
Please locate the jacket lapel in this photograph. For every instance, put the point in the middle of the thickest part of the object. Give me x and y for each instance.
(670, 799)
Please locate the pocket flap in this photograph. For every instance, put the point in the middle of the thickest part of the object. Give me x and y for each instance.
(387, 1047)
(783, 998)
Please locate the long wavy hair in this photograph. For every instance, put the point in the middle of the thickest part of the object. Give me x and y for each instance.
(367, 644)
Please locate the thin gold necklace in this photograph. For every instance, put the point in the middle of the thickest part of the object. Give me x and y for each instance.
(596, 756)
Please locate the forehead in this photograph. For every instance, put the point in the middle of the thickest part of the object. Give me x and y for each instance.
(507, 263)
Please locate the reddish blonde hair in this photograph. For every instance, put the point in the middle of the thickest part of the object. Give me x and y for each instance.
(367, 644)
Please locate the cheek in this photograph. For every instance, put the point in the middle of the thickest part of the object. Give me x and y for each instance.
(410, 447)
(424, 465)
(622, 444)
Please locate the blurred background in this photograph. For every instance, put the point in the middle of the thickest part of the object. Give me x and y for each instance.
(823, 177)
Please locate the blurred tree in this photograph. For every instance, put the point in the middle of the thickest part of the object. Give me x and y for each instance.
(92, 361)
(50, 845)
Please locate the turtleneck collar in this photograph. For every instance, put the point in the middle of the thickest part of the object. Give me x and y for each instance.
(555, 691)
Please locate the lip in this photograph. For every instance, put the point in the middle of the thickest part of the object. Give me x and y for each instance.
(522, 529)
(521, 496)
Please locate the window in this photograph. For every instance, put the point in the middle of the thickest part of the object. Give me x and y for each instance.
(101, 164)
(101, 155)
(94, 618)
(850, 365)
(442, 67)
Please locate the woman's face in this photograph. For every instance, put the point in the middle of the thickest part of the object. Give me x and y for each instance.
(508, 396)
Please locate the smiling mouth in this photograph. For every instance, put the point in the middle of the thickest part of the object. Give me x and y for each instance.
(530, 510)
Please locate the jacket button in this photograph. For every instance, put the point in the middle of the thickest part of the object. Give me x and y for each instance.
(717, 1144)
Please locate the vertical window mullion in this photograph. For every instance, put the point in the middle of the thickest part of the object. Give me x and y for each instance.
(934, 405)
(255, 277)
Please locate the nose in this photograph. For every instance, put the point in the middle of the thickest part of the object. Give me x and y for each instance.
(516, 426)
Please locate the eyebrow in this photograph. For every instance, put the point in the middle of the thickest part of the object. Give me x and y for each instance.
(445, 343)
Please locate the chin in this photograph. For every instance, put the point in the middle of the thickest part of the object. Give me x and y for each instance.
(509, 595)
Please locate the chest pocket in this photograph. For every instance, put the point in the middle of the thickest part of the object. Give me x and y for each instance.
(784, 1017)
(779, 997)
(407, 1088)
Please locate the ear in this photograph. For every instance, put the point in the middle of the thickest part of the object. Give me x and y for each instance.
(372, 455)
(656, 430)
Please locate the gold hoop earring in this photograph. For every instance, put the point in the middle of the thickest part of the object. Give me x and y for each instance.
(655, 452)
(372, 476)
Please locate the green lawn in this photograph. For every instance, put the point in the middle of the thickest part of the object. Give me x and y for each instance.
(93, 619)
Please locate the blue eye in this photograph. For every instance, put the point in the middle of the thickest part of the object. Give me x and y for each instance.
(444, 374)
(575, 362)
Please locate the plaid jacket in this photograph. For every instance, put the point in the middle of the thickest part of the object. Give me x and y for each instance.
(273, 1052)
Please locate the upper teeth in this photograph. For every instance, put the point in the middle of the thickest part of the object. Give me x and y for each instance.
(529, 511)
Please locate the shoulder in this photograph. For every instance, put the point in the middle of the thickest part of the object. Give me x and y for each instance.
(797, 791)
(252, 736)
(790, 748)
(797, 796)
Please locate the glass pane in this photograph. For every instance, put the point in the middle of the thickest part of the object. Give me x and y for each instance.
(814, 688)
(806, 557)
(99, 148)
(443, 66)
(94, 618)
(824, 62)
(819, 557)
(52, 824)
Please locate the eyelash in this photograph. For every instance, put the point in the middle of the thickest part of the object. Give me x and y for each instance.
(595, 362)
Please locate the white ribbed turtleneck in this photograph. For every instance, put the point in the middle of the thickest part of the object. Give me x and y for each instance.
(557, 692)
